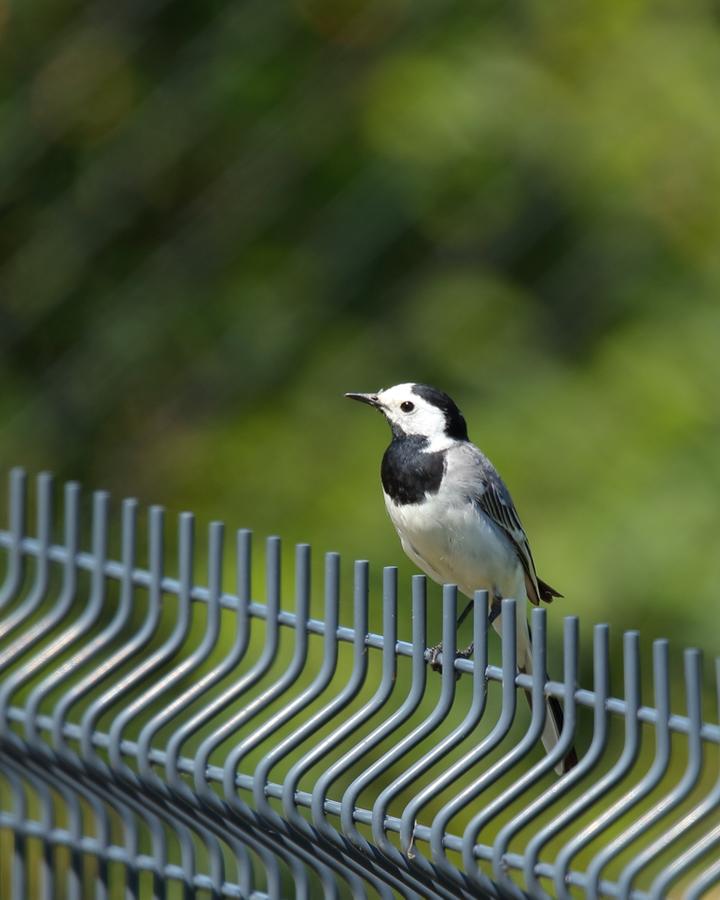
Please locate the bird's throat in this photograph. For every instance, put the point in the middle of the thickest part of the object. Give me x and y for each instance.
(408, 472)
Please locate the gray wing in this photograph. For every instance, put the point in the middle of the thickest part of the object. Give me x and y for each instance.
(494, 499)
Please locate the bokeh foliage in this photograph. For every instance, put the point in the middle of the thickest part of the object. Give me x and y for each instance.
(219, 217)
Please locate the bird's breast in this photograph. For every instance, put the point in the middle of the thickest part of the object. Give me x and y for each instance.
(452, 541)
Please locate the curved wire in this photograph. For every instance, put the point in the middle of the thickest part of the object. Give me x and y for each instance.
(285, 679)
(369, 709)
(273, 724)
(93, 648)
(15, 572)
(211, 678)
(44, 626)
(194, 659)
(36, 593)
(514, 755)
(438, 715)
(145, 667)
(702, 884)
(709, 804)
(74, 633)
(497, 733)
(17, 775)
(693, 692)
(661, 681)
(331, 709)
(20, 815)
(226, 817)
(631, 662)
(244, 683)
(391, 724)
(545, 765)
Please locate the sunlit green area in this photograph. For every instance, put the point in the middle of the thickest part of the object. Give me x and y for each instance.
(218, 217)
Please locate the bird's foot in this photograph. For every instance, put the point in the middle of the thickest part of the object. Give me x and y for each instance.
(467, 652)
(495, 609)
(434, 653)
(433, 657)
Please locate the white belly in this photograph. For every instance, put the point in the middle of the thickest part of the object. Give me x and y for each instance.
(455, 543)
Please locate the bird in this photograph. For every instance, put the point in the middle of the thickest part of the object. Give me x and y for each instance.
(456, 519)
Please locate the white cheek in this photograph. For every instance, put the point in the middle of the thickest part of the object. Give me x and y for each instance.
(428, 422)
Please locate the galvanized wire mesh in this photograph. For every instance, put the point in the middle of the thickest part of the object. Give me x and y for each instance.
(162, 737)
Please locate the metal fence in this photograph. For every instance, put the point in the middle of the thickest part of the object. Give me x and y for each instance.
(159, 737)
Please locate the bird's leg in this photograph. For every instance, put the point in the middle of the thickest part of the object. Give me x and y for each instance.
(468, 651)
(437, 649)
(464, 614)
(495, 610)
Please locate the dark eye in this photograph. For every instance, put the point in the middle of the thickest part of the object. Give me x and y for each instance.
(407, 406)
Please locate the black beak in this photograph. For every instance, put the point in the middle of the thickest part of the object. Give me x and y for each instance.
(370, 399)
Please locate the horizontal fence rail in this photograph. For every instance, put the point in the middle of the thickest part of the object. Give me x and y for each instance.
(165, 737)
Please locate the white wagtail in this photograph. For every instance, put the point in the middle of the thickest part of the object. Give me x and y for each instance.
(455, 517)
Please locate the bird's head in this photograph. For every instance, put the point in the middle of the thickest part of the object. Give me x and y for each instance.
(418, 410)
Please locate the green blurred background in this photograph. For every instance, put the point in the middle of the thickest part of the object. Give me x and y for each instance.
(219, 217)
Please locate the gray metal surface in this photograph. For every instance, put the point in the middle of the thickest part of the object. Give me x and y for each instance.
(166, 734)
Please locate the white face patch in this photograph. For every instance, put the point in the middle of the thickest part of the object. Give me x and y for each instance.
(414, 415)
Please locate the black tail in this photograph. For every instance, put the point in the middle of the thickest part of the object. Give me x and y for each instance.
(546, 592)
(570, 760)
(554, 709)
